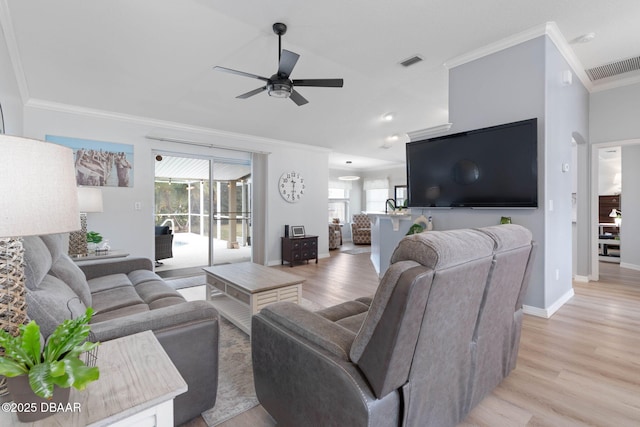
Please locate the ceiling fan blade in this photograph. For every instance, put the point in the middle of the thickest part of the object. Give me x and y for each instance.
(240, 73)
(288, 60)
(319, 82)
(251, 93)
(297, 98)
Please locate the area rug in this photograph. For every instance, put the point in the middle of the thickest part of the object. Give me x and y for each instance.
(186, 282)
(236, 392)
(356, 251)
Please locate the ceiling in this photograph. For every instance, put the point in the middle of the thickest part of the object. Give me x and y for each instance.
(155, 59)
(191, 169)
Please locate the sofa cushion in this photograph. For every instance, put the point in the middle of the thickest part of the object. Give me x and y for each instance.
(65, 269)
(116, 298)
(140, 276)
(37, 261)
(353, 323)
(152, 291)
(119, 313)
(52, 303)
(166, 302)
(110, 281)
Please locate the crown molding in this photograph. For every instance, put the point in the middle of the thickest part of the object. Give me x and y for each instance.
(549, 29)
(423, 133)
(162, 130)
(14, 53)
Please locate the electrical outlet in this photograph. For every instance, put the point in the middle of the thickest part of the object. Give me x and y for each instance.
(137, 206)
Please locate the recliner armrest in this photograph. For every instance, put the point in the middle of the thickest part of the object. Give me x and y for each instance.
(173, 316)
(99, 268)
(311, 326)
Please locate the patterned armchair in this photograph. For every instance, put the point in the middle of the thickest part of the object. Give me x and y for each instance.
(335, 236)
(361, 229)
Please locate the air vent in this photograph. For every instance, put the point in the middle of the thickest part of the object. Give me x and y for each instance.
(614, 68)
(410, 61)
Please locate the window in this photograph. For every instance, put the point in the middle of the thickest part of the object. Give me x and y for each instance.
(376, 199)
(376, 193)
(338, 202)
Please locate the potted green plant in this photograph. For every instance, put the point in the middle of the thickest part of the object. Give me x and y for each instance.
(93, 239)
(34, 371)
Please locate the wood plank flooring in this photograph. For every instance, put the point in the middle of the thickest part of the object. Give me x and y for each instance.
(579, 368)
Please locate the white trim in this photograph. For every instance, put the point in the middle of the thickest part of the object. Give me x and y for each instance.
(593, 180)
(549, 29)
(630, 266)
(166, 126)
(421, 133)
(14, 53)
(581, 279)
(549, 311)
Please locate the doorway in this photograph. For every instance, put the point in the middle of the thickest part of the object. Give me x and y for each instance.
(205, 202)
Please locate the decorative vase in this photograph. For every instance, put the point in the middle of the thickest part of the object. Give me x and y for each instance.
(30, 406)
(91, 248)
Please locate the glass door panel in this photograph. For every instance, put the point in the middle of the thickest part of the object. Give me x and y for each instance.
(232, 211)
(182, 202)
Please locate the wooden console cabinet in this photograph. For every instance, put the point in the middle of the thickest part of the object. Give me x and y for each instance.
(296, 249)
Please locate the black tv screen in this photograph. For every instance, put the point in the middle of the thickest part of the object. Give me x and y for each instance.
(491, 167)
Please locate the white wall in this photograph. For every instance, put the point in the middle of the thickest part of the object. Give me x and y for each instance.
(630, 208)
(132, 230)
(614, 118)
(9, 93)
(519, 83)
(614, 114)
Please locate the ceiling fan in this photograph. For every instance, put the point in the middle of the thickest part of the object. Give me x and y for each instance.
(280, 85)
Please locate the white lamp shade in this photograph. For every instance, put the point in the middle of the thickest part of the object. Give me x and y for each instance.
(89, 199)
(37, 188)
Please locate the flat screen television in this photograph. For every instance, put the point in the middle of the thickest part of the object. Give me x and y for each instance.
(494, 167)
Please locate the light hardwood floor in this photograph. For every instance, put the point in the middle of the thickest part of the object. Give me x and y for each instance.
(579, 368)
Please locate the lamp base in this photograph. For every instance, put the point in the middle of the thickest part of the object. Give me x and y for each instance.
(13, 305)
(78, 239)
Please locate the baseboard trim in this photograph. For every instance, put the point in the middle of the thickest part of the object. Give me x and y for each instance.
(582, 279)
(630, 266)
(549, 311)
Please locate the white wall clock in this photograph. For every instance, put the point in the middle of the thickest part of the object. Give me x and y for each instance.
(291, 186)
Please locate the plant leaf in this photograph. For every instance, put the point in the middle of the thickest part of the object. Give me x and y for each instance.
(11, 368)
(68, 334)
(31, 341)
(40, 380)
(13, 348)
(78, 374)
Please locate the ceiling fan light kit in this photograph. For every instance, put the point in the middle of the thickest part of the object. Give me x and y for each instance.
(280, 85)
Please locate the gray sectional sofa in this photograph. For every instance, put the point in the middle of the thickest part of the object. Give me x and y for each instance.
(128, 297)
(441, 332)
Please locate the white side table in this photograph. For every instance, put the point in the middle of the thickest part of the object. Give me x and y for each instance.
(137, 385)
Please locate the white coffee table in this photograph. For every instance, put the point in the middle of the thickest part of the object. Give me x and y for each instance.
(246, 287)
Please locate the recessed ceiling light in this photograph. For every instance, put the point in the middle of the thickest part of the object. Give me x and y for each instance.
(387, 117)
(585, 38)
(348, 178)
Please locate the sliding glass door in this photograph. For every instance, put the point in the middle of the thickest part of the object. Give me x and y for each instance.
(206, 204)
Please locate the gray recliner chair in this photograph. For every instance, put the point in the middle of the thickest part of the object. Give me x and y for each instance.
(411, 355)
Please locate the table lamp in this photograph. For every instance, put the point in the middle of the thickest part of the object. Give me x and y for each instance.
(89, 200)
(37, 196)
(617, 216)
